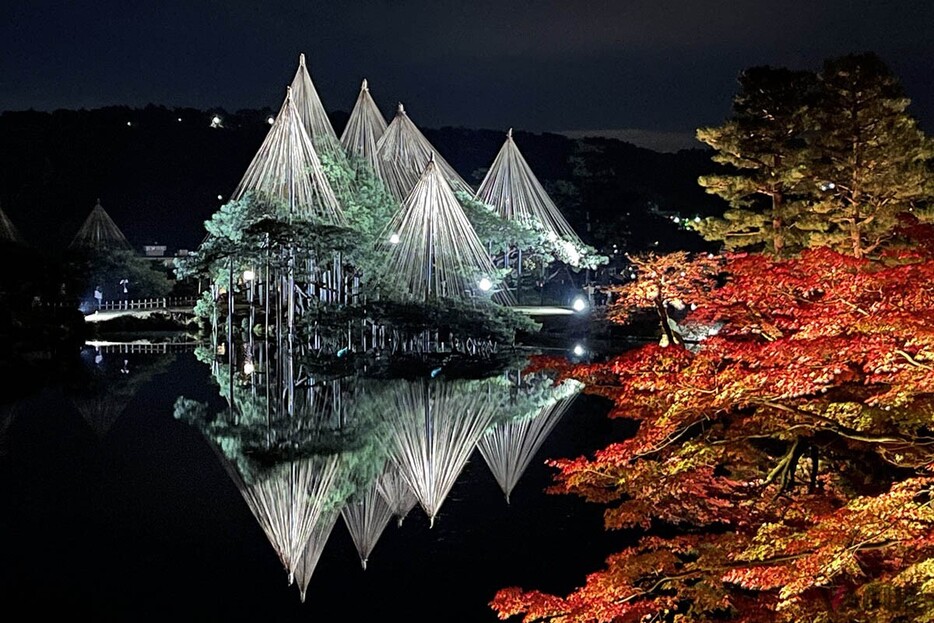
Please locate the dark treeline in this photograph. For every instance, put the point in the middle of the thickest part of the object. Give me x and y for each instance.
(160, 173)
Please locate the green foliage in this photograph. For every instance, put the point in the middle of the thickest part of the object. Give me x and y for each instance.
(765, 153)
(368, 206)
(872, 158)
(106, 268)
(817, 159)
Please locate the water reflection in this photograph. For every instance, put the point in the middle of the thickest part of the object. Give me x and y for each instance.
(110, 375)
(309, 444)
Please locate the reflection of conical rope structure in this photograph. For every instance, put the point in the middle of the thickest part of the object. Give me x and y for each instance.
(366, 517)
(515, 192)
(510, 446)
(100, 412)
(290, 504)
(396, 491)
(404, 153)
(8, 232)
(287, 172)
(99, 233)
(434, 251)
(7, 415)
(364, 128)
(320, 534)
(109, 383)
(435, 428)
(311, 110)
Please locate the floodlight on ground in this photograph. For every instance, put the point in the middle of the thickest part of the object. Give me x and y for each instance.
(579, 350)
(579, 304)
(248, 368)
(394, 238)
(485, 284)
(249, 275)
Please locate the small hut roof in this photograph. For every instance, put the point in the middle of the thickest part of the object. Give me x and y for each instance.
(404, 152)
(364, 128)
(99, 232)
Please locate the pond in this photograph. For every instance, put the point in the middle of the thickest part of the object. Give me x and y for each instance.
(120, 504)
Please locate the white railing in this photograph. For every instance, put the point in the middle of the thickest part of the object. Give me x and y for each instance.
(142, 347)
(157, 303)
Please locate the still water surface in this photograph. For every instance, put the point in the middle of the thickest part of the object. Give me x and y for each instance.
(114, 508)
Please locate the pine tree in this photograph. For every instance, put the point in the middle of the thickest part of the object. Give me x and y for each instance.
(871, 158)
(763, 147)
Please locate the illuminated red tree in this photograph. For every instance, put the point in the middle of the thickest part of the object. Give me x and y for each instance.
(781, 471)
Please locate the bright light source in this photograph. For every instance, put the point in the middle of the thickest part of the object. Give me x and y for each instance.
(129, 123)
(215, 121)
(270, 120)
(394, 238)
(579, 350)
(697, 219)
(485, 284)
(179, 119)
(579, 304)
(249, 275)
(248, 367)
(220, 197)
(676, 219)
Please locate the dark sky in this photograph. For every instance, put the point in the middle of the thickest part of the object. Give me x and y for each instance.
(656, 69)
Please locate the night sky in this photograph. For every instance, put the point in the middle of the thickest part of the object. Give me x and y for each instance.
(652, 70)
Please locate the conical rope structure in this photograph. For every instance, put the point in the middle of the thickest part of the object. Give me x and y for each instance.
(509, 447)
(366, 517)
(397, 493)
(364, 128)
(512, 189)
(432, 249)
(403, 153)
(8, 232)
(287, 172)
(314, 118)
(99, 233)
(435, 427)
(320, 534)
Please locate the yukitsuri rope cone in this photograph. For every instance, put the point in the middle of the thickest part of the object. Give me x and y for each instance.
(99, 232)
(364, 128)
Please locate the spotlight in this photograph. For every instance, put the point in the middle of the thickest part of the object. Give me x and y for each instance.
(485, 284)
(579, 350)
(248, 275)
(248, 368)
(579, 304)
(270, 120)
(394, 238)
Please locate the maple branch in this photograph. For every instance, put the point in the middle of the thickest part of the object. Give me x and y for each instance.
(913, 361)
(844, 431)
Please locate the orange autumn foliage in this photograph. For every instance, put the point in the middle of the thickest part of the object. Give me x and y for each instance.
(783, 467)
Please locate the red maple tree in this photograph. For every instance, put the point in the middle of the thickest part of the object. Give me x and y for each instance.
(783, 468)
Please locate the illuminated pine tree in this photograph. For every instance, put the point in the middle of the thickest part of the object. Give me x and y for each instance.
(872, 161)
(762, 145)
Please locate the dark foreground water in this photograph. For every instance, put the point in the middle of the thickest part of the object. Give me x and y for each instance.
(113, 510)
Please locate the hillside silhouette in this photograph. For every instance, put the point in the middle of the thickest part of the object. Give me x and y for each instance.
(160, 173)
